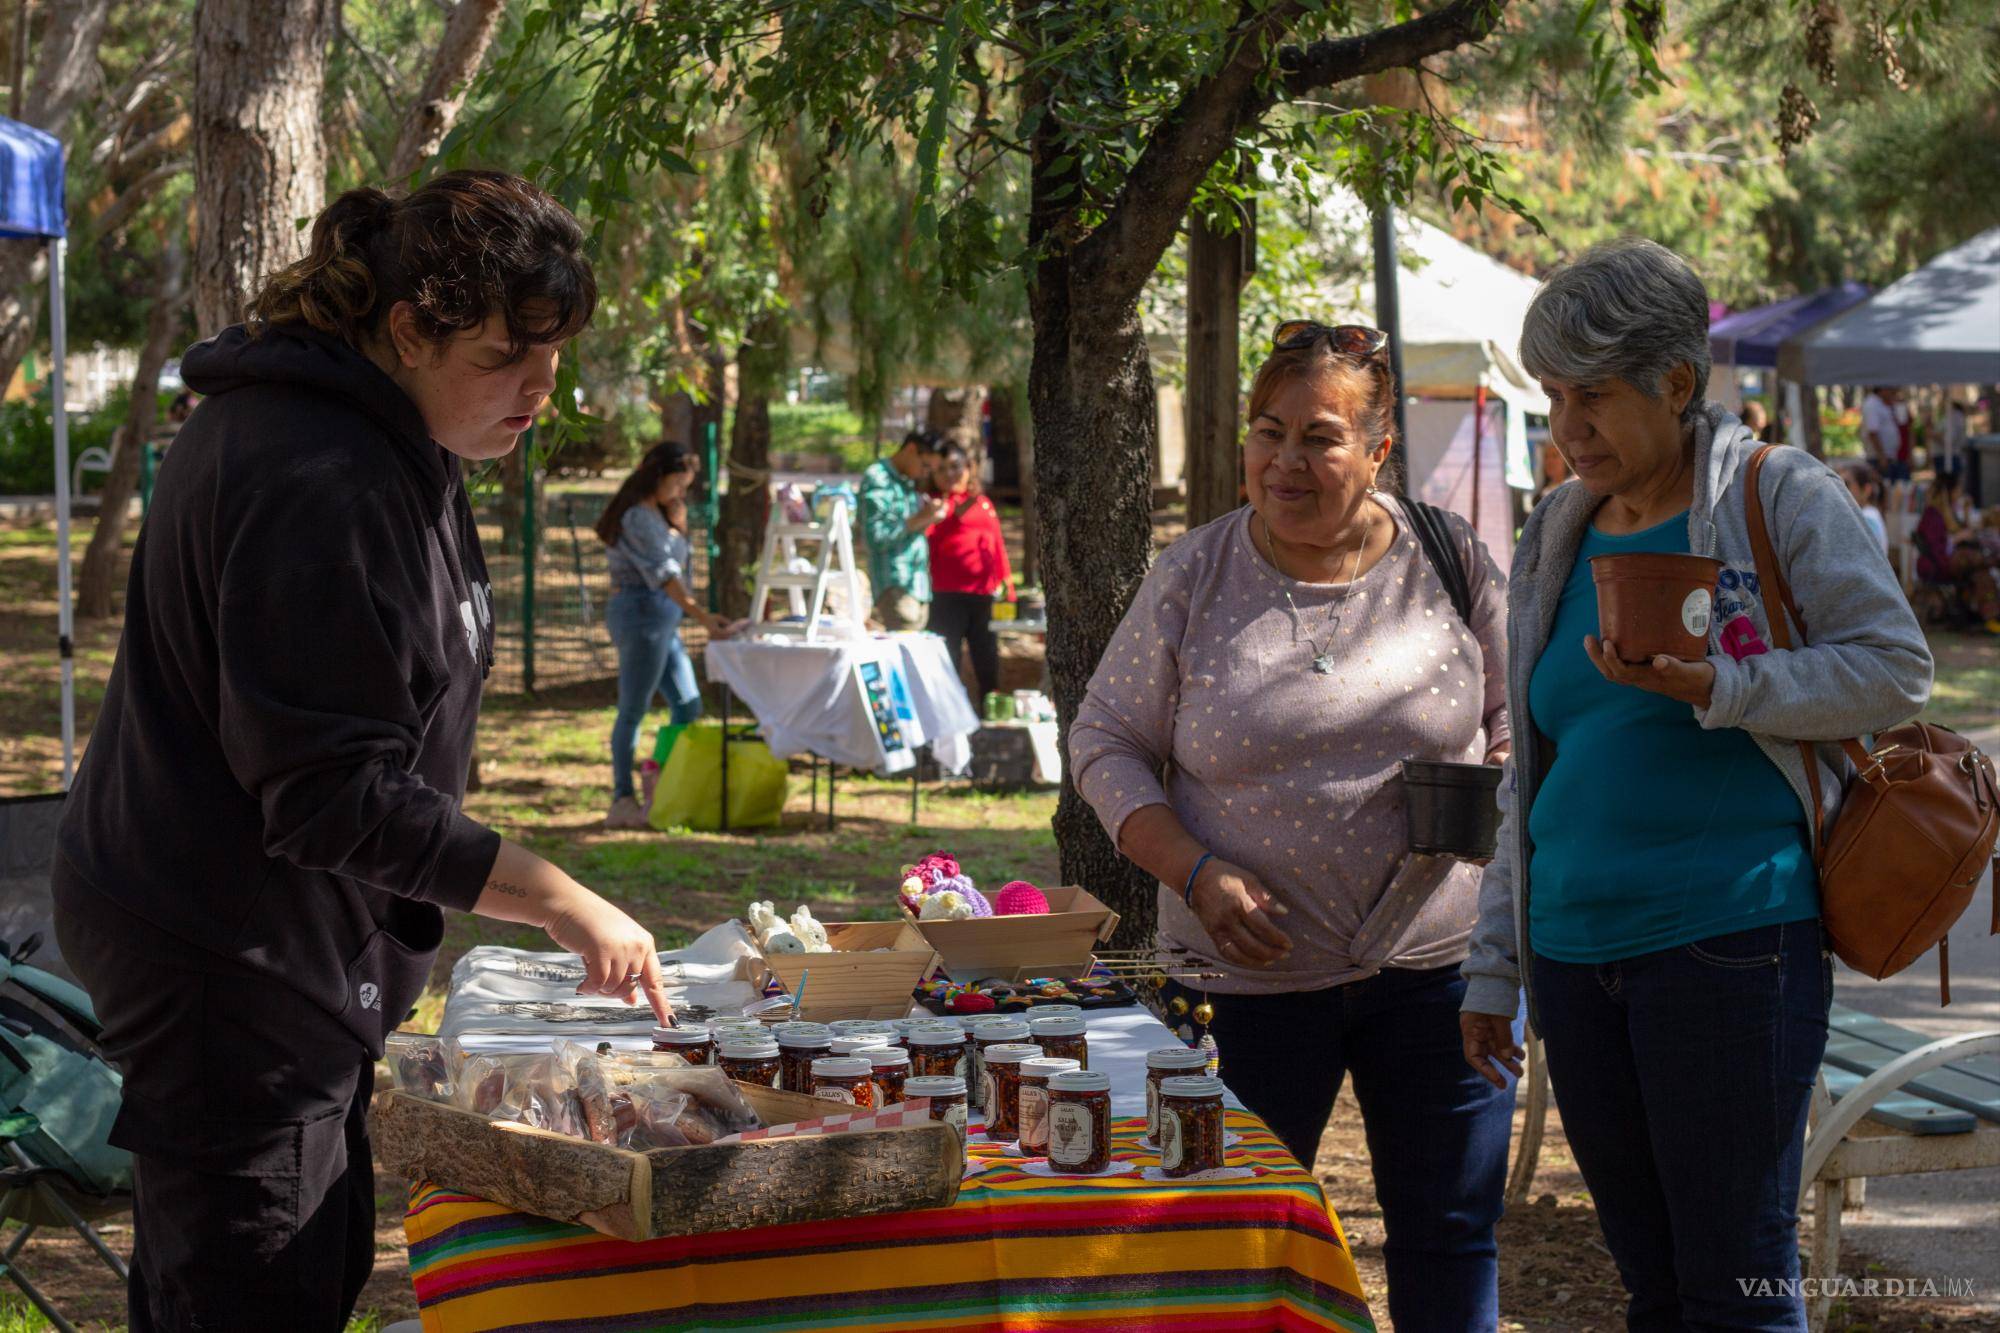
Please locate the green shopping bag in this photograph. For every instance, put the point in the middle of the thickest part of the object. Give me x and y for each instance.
(689, 794)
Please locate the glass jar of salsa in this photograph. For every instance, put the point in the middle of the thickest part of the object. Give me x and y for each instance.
(692, 1043)
(749, 1060)
(1062, 1037)
(860, 1042)
(799, 1044)
(1190, 1125)
(937, 1053)
(985, 1035)
(946, 1095)
(1033, 1120)
(889, 1069)
(1167, 1062)
(1080, 1122)
(1001, 1094)
(843, 1078)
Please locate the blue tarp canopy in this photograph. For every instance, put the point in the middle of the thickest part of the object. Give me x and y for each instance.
(31, 182)
(1752, 337)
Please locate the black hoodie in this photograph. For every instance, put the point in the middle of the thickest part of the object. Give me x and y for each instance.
(273, 784)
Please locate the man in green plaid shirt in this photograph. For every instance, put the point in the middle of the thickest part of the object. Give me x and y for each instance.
(895, 515)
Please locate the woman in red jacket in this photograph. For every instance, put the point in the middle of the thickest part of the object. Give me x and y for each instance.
(968, 566)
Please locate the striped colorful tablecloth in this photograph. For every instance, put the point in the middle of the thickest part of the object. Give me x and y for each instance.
(1018, 1253)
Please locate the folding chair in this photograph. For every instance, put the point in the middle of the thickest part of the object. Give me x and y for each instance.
(37, 1198)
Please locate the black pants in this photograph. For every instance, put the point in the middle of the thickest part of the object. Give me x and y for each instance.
(962, 618)
(245, 1112)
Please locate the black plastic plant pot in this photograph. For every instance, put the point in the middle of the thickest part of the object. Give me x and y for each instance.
(1452, 809)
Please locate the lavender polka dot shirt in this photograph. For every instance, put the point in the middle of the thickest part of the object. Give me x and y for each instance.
(1207, 701)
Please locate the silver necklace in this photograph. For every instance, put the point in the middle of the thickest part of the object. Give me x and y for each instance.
(1322, 662)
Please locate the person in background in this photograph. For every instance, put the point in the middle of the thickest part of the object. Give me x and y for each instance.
(1757, 420)
(1866, 488)
(895, 514)
(1951, 440)
(1654, 887)
(1950, 552)
(645, 525)
(968, 568)
(1882, 435)
(1240, 741)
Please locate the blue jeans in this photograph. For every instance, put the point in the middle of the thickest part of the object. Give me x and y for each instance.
(1684, 1077)
(646, 627)
(1437, 1131)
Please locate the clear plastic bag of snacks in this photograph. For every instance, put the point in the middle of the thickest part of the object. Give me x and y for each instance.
(417, 1064)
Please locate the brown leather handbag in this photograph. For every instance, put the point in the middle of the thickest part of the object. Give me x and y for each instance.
(1916, 825)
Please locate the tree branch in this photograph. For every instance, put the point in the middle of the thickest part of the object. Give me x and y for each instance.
(467, 34)
(1338, 59)
(136, 196)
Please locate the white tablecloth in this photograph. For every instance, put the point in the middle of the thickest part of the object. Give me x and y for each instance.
(808, 698)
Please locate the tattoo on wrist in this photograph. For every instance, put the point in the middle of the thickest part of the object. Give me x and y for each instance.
(502, 886)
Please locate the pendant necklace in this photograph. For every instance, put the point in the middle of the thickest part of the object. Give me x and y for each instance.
(1322, 662)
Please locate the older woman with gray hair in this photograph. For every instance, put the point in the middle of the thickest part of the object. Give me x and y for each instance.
(1654, 889)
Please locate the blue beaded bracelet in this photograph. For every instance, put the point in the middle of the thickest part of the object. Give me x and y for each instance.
(1187, 893)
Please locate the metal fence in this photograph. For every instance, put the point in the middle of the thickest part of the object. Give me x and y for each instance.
(551, 582)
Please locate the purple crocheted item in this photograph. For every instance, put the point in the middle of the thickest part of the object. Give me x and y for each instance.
(962, 884)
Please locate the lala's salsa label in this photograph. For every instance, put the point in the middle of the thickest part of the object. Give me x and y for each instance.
(1172, 1145)
(1034, 1116)
(1069, 1134)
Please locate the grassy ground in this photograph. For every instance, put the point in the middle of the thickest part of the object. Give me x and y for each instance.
(545, 780)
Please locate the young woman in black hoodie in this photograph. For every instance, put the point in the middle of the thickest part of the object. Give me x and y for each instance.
(266, 826)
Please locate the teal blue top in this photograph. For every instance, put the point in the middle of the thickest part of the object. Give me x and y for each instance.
(897, 557)
(1649, 832)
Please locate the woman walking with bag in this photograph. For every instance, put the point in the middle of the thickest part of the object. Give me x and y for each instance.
(645, 525)
(253, 862)
(1277, 665)
(1661, 811)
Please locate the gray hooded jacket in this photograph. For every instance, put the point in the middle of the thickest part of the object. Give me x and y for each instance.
(1866, 669)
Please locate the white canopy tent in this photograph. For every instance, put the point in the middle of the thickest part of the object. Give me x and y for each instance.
(1461, 316)
(1937, 325)
(31, 206)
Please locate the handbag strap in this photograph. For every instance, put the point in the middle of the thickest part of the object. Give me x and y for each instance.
(1779, 610)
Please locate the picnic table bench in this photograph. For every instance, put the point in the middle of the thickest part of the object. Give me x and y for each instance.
(1889, 1102)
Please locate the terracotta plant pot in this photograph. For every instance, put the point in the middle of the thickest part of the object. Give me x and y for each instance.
(1653, 603)
(1451, 809)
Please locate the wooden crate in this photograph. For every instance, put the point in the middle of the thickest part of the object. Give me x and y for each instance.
(870, 973)
(674, 1191)
(1058, 944)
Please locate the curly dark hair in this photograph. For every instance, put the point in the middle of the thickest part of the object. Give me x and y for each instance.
(461, 248)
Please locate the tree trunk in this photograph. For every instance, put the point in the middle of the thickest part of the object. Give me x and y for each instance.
(1090, 389)
(1014, 432)
(1215, 277)
(259, 158)
(65, 66)
(467, 34)
(107, 541)
(747, 505)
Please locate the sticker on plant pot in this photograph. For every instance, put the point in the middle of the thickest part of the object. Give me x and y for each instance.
(1694, 612)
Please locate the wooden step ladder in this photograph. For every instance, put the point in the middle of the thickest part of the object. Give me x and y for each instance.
(805, 593)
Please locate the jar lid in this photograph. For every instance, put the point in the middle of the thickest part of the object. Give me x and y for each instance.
(936, 1037)
(747, 1048)
(691, 1034)
(1176, 1057)
(847, 1027)
(841, 1066)
(976, 1021)
(934, 1085)
(795, 1037)
(861, 1041)
(938, 1021)
(798, 1025)
(1006, 1029)
(1081, 1080)
(1059, 1025)
(1011, 1053)
(886, 1057)
(1047, 1066)
(1190, 1087)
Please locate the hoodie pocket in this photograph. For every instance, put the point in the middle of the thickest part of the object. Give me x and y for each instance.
(386, 977)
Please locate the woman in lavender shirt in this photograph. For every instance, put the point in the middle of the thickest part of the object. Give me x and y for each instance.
(1241, 741)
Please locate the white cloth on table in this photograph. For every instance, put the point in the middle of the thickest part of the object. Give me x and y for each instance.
(808, 698)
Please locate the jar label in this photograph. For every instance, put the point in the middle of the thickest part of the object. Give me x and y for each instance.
(1152, 1110)
(836, 1095)
(1034, 1116)
(1694, 612)
(989, 1095)
(1069, 1134)
(954, 1115)
(1173, 1146)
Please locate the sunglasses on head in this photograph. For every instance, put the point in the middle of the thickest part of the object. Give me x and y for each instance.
(1357, 341)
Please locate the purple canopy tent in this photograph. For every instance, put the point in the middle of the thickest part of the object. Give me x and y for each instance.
(1751, 337)
(31, 205)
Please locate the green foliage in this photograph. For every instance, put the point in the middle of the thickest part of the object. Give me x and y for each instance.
(28, 440)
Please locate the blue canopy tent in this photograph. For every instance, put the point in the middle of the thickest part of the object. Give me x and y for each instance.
(31, 205)
(1750, 338)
